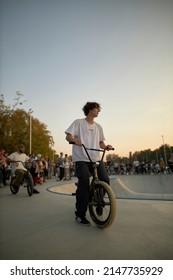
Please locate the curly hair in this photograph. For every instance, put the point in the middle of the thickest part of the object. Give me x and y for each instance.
(90, 106)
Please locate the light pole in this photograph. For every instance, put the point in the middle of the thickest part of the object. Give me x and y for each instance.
(30, 131)
(53, 154)
(164, 150)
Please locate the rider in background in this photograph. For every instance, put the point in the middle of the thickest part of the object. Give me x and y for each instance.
(17, 168)
(86, 131)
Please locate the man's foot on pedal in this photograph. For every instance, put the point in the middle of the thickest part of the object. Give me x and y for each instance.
(82, 221)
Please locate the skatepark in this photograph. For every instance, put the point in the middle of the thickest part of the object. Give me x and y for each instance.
(42, 227)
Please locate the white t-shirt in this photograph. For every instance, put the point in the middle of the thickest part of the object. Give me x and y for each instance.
(18, 165)
(90, 135)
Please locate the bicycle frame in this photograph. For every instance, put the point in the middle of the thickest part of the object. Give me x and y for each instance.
(94, 164)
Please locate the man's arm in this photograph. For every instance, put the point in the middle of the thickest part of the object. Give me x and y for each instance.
(9, 160)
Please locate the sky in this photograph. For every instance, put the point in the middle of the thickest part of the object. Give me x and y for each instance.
(61, 54)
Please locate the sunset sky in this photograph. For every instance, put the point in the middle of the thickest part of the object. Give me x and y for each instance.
(62, 53)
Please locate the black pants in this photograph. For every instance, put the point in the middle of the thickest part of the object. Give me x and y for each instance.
(83, 172)
(61, 171)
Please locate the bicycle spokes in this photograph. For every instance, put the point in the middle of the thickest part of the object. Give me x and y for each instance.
(102, 205)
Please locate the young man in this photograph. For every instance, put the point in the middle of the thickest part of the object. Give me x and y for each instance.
(86, 131)
(17, 168)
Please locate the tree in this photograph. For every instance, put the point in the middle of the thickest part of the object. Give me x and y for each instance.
(15, 129)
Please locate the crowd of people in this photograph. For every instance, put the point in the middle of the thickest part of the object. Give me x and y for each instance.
(43, 168)
(136, 167)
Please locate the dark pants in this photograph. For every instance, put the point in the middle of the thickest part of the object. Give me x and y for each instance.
(83, 172)
(61, 171)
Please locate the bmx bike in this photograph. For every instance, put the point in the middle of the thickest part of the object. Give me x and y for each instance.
(27, 181)
(101, 200)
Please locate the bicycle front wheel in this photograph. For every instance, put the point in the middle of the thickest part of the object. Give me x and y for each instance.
(102, 204)
(29, 184)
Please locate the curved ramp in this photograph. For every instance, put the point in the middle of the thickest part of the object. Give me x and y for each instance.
(144, 187)
(152, 187)
(63, 188)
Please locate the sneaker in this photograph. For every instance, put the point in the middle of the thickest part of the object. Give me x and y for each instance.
(82, 221)
(35, 191)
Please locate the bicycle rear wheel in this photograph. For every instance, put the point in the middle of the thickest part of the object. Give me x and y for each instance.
(29, 184)
(102, 204)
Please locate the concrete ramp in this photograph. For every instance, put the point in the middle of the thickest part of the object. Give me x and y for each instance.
(154, 187)
(64, 188)
(147, 187)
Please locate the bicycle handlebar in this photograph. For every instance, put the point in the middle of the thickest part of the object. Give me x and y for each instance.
(99, 150)
(86, 150)
(24, 163)
(19, 161)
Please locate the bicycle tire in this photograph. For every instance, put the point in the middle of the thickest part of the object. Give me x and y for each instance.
(29, 184)
(102, 204)
(13, 189)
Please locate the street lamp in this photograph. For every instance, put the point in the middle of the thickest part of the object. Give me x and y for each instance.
(30, 131)
(164, 150)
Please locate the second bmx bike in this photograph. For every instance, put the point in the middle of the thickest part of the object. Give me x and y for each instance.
(27, 181)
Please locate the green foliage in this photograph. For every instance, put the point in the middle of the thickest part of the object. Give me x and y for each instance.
(15, 129)
(144, 156)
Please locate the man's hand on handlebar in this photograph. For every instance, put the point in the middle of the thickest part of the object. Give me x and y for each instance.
(77, 142)
(71, 140)
(109, 148)
(106, 147)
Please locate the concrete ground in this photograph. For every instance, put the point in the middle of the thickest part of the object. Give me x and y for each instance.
(42, 227)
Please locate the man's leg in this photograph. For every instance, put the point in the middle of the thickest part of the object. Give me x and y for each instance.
(82, 173)
(102, 173)
(18, 177)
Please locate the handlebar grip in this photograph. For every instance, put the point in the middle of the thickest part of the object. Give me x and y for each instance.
(110, 150)
(71, 142)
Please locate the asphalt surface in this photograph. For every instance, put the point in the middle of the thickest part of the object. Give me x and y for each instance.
(42, 227)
